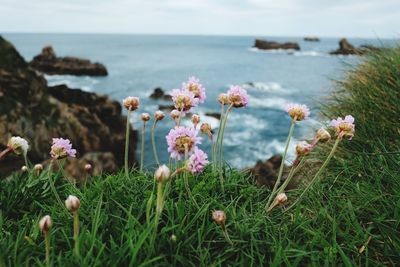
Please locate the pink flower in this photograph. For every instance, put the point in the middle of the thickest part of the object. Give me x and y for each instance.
(344, 127)
(237, 96)
(178, 138)
(303, 148)
(193, 85)
(297, 111)
(197, 161)
(62, 148)
(184, 100)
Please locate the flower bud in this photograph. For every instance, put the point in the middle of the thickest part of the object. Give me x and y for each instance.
(323, 135)
(173, 238)
(219, 216)
(303, 148)
(38, 168)
(131, 103)
(24, 169)
(145, 116)
(223, 99)
(162, 174)
(72, 203)
(195, 119)
(175, 114)
(88, 167)
(281, 199)
(45, 224)
(159, 115)
(18, 145)
(206, 128)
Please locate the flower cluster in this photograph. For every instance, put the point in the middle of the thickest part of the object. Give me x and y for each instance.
(297, 112)
(344, 127)
(62, 148)
(18, 145)
(193, 85)
(197, 161)
(181, 139)
(237, 97)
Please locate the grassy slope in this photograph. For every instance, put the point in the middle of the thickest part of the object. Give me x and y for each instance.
(357, 200)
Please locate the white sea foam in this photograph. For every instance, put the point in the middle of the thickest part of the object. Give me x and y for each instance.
(310, 53)
(267, 102)
(265, 87)
(246, 121)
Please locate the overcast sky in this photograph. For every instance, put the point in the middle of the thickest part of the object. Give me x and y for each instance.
(336, 18)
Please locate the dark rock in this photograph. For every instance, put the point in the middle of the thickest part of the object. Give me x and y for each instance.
(311, 39)
(49, 63)
(214, 115)
(345, 48)
(266, 172)
(267, 45)
(158, 94)
(166, 107)
(31, 109)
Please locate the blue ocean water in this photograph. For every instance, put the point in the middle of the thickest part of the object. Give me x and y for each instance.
(139, 63)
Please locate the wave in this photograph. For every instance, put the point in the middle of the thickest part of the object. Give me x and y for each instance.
(310, 53)
(268, 102)
(265, 87)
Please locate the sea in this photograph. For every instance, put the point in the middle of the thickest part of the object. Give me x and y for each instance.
(139, 63)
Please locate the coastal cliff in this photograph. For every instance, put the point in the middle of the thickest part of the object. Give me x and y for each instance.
(32, 109)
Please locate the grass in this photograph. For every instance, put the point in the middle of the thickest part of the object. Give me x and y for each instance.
(350, 218)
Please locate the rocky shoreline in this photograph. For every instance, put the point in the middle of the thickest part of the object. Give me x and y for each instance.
(32, 109)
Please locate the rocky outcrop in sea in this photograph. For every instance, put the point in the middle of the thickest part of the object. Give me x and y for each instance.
(37, 112)
(268, 45)
(345, 48)
(47, 62)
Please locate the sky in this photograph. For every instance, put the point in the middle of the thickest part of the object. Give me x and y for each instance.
(324, 18)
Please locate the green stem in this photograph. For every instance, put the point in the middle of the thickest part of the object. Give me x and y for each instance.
(53, 188)
(180, 117)
(213, 155)
(154, 142)
(47, 244)
(318, 173)
(278, 180)
(142, 154)
(26, 161)
(159, 207)
(127, 143)
(225, 232)
(76, 233)
(221, 146)
(218, 134)
(185, 178)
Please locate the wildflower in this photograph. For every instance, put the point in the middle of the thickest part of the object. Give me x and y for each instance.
(180, 139)
(131, 103)
(297, 112)
(193, 85)
(38, 169)
(206, 129)
(72, 203)
(175, 114)
(145, 117)
(219, 216)
(88, 167)
(223, 99)
(195, 120)
(24, 169)
(18, 145)
(62, 148)
(184, 100)
(323, 135)
(45, 224)
(344, 127)
(197, 161)
(159, 115)
(162, 174)
(237, 96)
(303, 148)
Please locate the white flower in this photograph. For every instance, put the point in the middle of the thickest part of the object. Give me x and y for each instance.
(19, 145)
(72, 203)
(45, 224)
(162, 174)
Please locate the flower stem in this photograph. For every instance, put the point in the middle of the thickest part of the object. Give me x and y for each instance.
(47, 244)
(127, 142)
(278, 180)
(318, 173)
(76, 233)
(213, 154)
(142, 154)
(225, 232)
(159, 208)
(218, 135)
(154, 142)
(5, 152)
(221, 146)
(52, 186)
(185, 178)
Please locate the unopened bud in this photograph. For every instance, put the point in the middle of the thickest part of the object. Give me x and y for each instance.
(162, 174)
(159, 115)
(195, 119)
(72, 203)
(223, 99)
(45, 224)
(38, 169)
(88, 167)
(145, 116)
(24, 169)
(173, 238)
(303, 148)
(175, 114)
(131, 103)
(219, 216)
(323, 135)
(281, 199)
